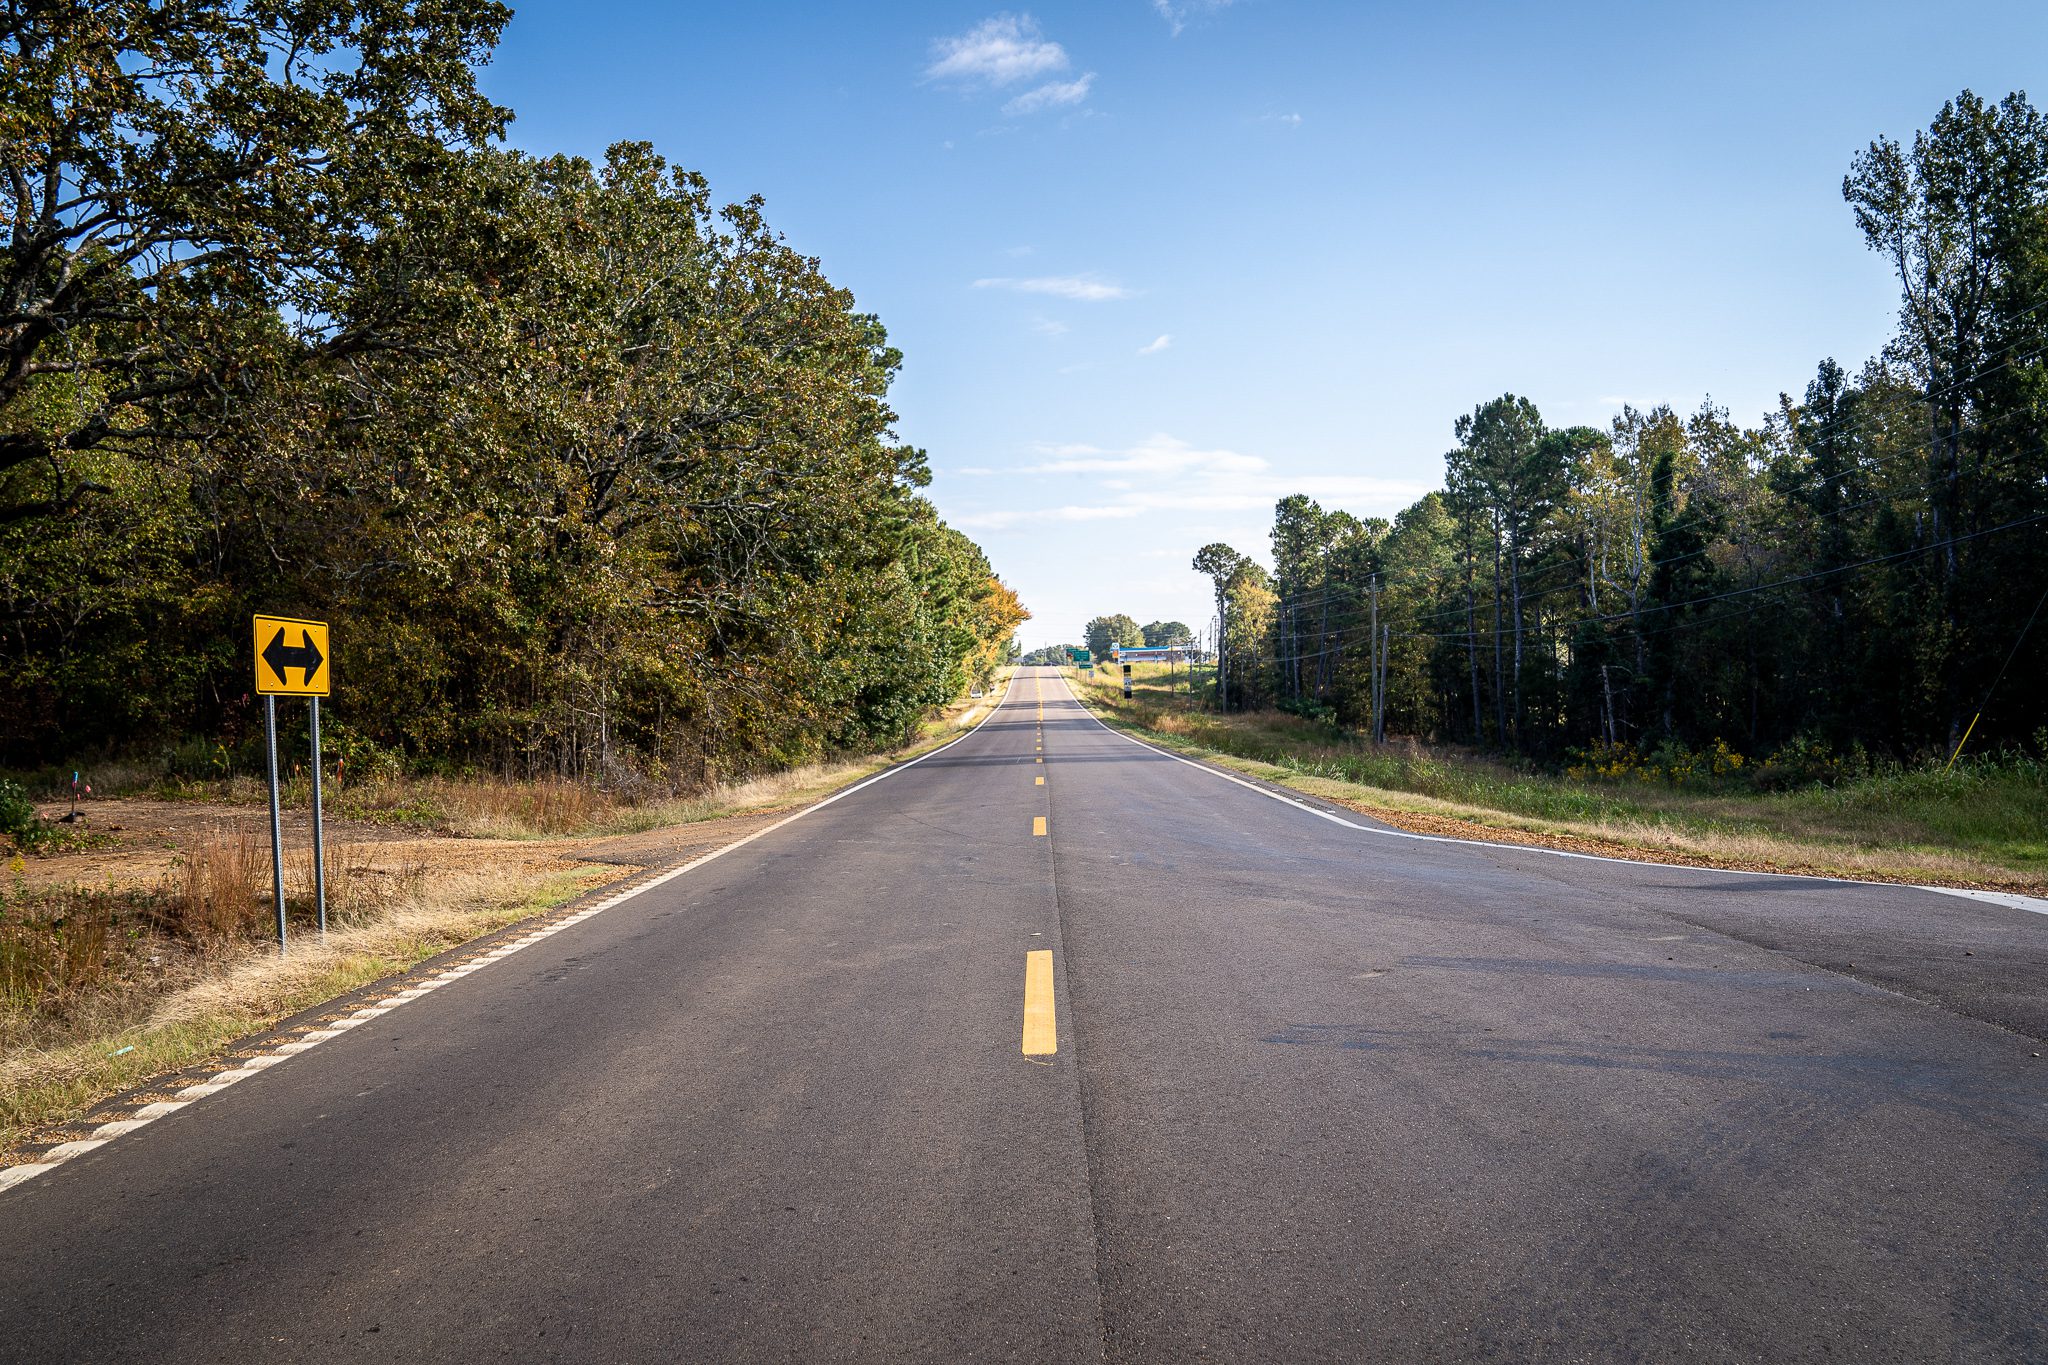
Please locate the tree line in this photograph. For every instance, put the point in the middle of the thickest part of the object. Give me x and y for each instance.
(1104, 631)
(593, 478)
(1866, 566)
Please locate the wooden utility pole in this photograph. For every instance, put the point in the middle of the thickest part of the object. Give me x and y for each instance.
(1386, 652)
(1373, 652)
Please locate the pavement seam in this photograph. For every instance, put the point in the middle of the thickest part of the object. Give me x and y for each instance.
(2011, 900)
(1088, 1126)
(414, 987)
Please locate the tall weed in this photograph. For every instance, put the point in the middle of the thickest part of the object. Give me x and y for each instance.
(225, 874)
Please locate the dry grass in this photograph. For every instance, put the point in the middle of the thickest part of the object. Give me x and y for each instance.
(224, 872)
(1977, 830)
(56, 947)
(198, 997)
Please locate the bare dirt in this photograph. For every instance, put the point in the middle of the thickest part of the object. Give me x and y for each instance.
(139, 842)
(136, 843)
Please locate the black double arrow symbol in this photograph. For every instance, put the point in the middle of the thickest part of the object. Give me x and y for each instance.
(281, 656)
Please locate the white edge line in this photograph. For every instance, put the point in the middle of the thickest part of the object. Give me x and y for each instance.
(2011, 900)
(11, 1176)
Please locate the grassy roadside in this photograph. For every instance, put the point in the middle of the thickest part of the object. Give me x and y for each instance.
(501, 808)
(103, 987)
(1982, 826)
(250, 989)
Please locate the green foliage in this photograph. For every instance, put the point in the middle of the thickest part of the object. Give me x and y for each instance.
(1858, 574)
(180, 179)
(19, 823)
(1167, 634)
(1804, 761)
(594, 479)
(1100, 633)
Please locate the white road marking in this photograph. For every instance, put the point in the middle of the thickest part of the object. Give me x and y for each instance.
(64, 1151)
(115, 1129)
(2033, 904)
(11, 1176)
(2010, 899)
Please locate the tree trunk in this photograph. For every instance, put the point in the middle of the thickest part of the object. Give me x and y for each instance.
(1472, 655)
(1500, 696)
(1515, 584)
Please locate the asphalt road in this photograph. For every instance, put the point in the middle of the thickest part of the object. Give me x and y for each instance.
(1314, 1093)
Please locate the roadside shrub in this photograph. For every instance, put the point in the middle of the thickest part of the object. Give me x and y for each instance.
(352, 756)
(199, 760)
(19, 823)
(1311, 710)
(1670, 762)
(1802, 761)
(1606, 762)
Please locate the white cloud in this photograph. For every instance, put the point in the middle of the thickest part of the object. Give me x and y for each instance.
(1079, 287)
(1053, 95)
(1164, 474)
(1047, 327)
(999, 521)
(1156, 345)
(1291, 120)
(1161, 455)
(1000, 50)
(1176, 13)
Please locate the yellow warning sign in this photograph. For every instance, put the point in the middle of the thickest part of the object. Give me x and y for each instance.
(291, 657)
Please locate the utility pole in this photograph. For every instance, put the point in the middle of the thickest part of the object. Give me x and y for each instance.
(1216, 639)
(1386, 651)
(1374, 655)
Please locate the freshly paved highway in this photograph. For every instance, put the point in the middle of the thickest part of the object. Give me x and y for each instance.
(1316, 1093)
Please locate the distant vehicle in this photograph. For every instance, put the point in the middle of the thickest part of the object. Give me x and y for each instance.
(976, 692)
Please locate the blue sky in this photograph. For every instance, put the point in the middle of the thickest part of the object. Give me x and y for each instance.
(1156, 263)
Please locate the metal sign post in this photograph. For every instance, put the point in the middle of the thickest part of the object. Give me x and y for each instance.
(319, 852)
(277, 658)
(276, 821)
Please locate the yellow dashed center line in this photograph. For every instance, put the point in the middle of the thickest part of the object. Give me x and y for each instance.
(1039, 783)
(1038, 825)
(1041, 1038)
